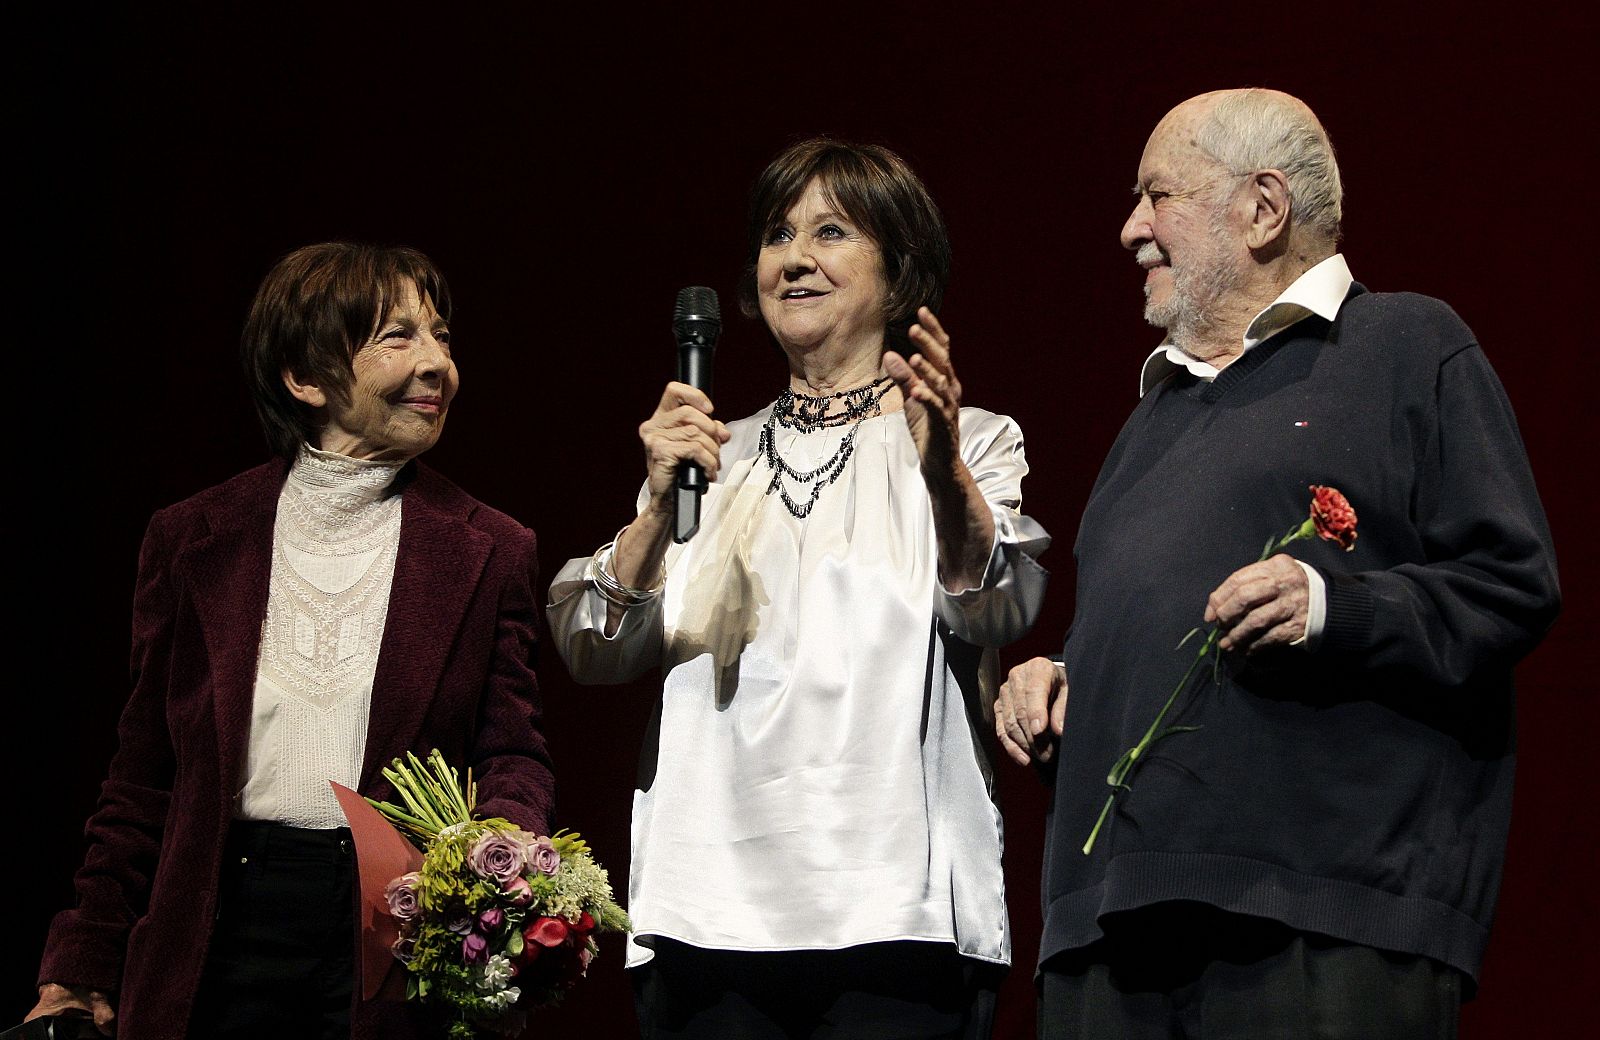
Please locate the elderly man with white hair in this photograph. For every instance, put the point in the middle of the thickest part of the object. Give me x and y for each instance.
(1308, 843)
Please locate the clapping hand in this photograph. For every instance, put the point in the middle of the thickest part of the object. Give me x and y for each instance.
(931, 390)
(932, 394)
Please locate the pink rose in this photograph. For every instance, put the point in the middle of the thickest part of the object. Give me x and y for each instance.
(519, 890)
(573, 968)
(401, 894)
(496, 856)
(474, 948)
(491, 919)
(542, 856)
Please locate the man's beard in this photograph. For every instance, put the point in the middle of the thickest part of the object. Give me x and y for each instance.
(1199, 280)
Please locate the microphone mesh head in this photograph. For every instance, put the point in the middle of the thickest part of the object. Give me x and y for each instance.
(697, 303)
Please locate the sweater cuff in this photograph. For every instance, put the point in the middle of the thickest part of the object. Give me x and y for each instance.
(1350, 614)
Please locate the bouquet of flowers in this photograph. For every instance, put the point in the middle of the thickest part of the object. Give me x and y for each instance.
(496, 921)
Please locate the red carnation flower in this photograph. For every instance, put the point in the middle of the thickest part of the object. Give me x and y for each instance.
(1333, 515)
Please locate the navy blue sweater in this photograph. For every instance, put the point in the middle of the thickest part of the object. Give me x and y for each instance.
(1362, 791)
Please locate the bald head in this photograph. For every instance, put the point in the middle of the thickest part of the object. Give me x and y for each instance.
(1238, 195)
(1251, 129)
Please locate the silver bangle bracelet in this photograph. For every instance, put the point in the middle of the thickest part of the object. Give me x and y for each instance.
(603, 574)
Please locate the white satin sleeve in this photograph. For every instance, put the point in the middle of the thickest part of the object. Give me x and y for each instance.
(577, 618)
(1006, 601)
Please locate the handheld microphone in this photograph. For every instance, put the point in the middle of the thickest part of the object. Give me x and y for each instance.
(696, 324)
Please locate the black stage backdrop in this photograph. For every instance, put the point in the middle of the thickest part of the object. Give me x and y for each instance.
(570, 171)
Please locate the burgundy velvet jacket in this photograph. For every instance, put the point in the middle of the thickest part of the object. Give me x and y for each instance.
(455, 671)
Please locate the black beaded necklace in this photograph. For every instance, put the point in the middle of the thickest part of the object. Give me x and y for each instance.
(806, 414)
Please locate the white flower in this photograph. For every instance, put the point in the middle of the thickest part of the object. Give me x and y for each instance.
(505, 998)
(496, 972)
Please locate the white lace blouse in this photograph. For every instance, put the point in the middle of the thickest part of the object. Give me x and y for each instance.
(820, 777)
(334, 543)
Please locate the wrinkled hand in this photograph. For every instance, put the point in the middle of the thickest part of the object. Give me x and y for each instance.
(931, 390)
(55, 999)
(1031, 710)
(1262, 605)
(681, 430)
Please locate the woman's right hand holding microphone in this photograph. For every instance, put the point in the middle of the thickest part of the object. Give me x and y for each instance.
(680, 430)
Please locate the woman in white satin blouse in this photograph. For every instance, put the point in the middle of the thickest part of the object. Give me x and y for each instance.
(816, 847)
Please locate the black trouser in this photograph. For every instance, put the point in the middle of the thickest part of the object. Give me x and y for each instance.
(1186, 971)
(899, 990)
(282, 956)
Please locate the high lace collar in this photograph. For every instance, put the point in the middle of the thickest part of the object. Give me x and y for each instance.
(353, 483)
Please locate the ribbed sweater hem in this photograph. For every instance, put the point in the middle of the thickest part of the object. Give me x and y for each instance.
(1343, 910)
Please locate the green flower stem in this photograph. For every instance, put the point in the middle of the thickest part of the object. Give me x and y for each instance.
(444, 784)
(1124, 765)
(432, 794)
(1305, 530)
(1117, 778)
(404, 787)
(398, 815)
(1105, 811)
(429, 788)
(413, 793)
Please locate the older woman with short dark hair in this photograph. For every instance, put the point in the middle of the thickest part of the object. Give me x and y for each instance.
(307, 621)
(816, 845)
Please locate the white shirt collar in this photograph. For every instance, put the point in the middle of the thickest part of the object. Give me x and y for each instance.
(1320, 291)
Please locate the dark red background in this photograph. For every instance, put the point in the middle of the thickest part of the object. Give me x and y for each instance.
(570, 171)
